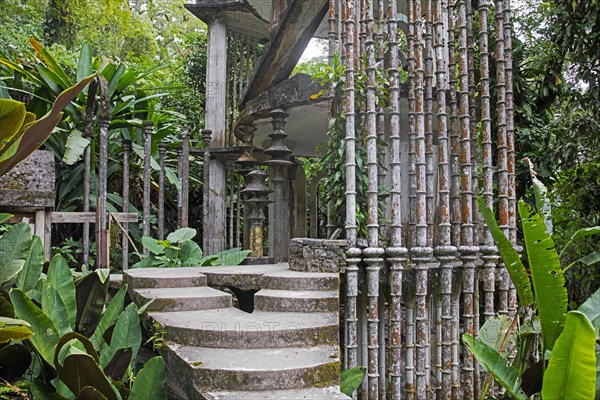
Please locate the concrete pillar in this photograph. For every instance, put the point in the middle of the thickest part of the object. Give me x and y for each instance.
(216, 72)
(298, 201)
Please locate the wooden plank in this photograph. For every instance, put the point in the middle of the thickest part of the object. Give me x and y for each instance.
(89, 217)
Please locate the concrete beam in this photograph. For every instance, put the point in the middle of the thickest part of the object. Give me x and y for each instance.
(281, 55)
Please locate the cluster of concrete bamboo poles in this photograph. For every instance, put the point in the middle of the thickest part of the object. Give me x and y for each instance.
(407, 304)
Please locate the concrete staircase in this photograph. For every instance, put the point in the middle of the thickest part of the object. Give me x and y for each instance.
(287, 348)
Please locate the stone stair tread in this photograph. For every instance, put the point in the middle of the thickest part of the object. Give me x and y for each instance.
(165, 277)
(298, 294)
(295, 280)
(232, 318)
(183, 298)
(244, 277)
(256, 360)
(328, 393)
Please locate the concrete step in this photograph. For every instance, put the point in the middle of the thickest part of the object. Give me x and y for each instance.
(235, 329)
(296, 301)
(164, 277)
(203, 370)
(182, 299)
(243, 277)
(328, 393)
(293, 280)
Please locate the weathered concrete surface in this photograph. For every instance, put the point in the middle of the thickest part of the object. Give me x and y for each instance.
(240, 16)
(148, 278)
(296, 301)
(283, 52)
(30, 183)
(182, 299)
(293, 280)
(244, 277)
(317, 255)
(213, 369)
(329, 393)
(234, 329)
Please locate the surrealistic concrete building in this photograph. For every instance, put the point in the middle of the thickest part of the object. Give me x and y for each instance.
(423, 271)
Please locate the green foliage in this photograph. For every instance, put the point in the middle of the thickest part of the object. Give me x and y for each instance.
(571, 372)
(568, 337)
(351, 379)
(24, 134)
(49, 326)
(179, 250)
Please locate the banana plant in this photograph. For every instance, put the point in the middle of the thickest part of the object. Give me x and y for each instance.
(59, 322)
(21, 133)
(569, 337)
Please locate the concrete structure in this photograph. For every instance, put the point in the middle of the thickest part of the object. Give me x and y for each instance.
(414, 255)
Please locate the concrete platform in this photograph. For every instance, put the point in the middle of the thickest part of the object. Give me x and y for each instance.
(183, 299)
(329, 393)
(296, 301)
(235, 329)
(243, 277)
(165, 277)
(216, 369)
(292, 280)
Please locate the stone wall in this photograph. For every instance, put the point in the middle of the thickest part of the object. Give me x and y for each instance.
(30, 184)
(317, 255)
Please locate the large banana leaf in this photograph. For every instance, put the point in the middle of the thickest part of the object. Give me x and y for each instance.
(14, 249)
(84, 65)
(75, 147)
(591, 308)
(14, 329)
(497, 365)
(150, 381)
(542, 202)
(109, 317)
(44, 336)
(512, 260)
(54, 307)
(15, 360)
(50, 61)
(22, 145)
(60, 277)
(571, 372)
(32, 269)
(546, 274)
(12, 115)
(91, 294)
(127, 334)
(351, 379)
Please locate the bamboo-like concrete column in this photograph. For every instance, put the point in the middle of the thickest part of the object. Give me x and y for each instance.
(430, 168)
(455, 206)
(353, 253)
(206, 137)
(373, 254)
(488, 250)
(421, 253)
(235, 82)
(503, 194)
(179, 191)
(408, 294)
(87, 169)
(331, 18)
(474, 176)
(230, 227)
(185, 176)
(396, 252)
(468, 250)
(410, 39)
(162, 151)
(147, 132)
(381, 135)
(510, 144)
(125, 195)
(102, 217)
(279, 227)
(444, 251)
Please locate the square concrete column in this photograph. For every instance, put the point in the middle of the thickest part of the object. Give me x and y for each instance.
(216, 83)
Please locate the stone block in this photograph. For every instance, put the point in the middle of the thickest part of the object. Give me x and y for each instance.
(317, 255)
(30, 183)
